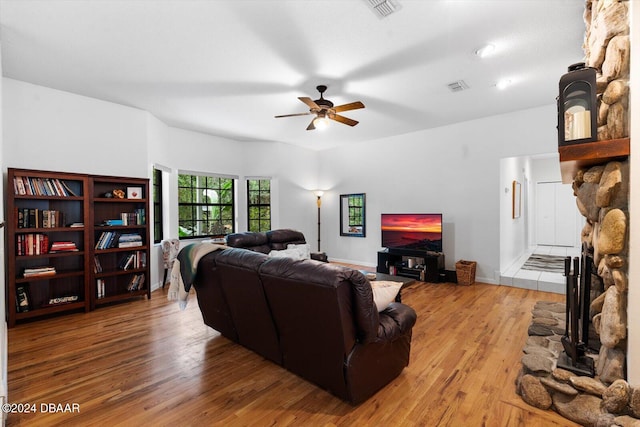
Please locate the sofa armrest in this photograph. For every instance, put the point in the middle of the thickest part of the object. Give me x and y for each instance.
(395, 321)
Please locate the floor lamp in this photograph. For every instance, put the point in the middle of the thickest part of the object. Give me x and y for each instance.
(319, 194)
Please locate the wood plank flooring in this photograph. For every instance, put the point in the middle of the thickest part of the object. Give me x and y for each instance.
(148, 363)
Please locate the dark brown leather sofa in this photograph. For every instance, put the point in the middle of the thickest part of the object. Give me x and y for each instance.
(316, 319)
(265, 242)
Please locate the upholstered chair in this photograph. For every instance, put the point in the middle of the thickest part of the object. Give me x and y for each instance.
(170, 249)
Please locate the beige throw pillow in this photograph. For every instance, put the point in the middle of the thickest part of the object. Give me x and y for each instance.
(384, 292)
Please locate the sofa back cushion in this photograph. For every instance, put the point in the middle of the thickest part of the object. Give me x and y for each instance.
(318, 316)
(257, 242)
(279, 239)
(243, 291)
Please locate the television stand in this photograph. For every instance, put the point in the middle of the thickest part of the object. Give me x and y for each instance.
(419, 265)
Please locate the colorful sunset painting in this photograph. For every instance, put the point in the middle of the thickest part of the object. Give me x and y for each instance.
(412, 231)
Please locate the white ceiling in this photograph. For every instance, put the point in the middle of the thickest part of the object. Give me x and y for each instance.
(227, 67)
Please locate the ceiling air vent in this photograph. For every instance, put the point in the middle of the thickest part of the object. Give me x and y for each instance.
(382, 8)
(458, 86)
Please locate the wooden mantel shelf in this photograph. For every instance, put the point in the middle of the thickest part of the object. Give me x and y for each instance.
(577, 156)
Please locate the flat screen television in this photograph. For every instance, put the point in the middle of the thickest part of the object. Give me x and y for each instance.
(416, 232)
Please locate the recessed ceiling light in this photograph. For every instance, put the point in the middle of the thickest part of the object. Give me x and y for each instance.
(485, 51)
(503, 84)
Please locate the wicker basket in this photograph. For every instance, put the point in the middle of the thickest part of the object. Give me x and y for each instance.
(466, 272)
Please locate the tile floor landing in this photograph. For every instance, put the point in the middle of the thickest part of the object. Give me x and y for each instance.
(538, 280)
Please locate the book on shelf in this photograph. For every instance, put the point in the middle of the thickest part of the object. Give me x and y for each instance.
(97, 267)
(136, 283)
(30, 186)
(63, 300)
(129, 240)
(137, 217)
(38, 218)
(45, 270)
(107, 239)
(63, 247)
(23, 300)
(137, 259)
(32, 244)
(100, 288)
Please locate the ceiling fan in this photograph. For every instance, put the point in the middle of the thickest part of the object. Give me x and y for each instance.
(324, 110)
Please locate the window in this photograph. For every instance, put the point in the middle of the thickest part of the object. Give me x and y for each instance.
(158, 231)
(259, 204)
(205, 206)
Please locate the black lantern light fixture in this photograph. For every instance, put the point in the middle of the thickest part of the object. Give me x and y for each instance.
(577, 106)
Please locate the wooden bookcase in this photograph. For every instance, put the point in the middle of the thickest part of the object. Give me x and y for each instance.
(41, 207)
(119, 271)
(70, 210)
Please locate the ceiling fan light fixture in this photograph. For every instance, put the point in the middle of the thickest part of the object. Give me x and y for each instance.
(321, 122)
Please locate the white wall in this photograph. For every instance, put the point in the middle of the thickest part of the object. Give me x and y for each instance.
(294, 171)
(454, 170)
(513, 231)
(54, 130)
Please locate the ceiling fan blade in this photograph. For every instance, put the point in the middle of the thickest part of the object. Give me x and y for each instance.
(350, 106)
(293, 115)
(311, 125)
(343, 119)
(310, 102)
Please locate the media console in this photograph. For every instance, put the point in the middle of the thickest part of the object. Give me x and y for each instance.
(420, 265)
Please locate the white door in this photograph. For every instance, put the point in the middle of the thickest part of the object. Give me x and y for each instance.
(545, 213)
(556, 214)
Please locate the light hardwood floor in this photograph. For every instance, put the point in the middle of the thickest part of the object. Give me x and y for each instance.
(147, 363)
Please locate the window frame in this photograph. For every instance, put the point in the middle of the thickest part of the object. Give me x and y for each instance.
(223, 187)
(261, 206)
(158, 210)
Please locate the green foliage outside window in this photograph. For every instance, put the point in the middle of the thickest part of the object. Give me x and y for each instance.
(259, 204)
(205, 206)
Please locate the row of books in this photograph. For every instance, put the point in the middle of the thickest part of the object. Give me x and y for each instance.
(38, 244)
(24, 185)
(137, 217)
(38, 218)
(114, 239)
(32, 244)
(127, 218)
(100, 288)
(137, 259)
(45, 270)
(136, 283)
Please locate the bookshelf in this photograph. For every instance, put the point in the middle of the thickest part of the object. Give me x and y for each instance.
(47, 243)
(54, 223)
(119, 239)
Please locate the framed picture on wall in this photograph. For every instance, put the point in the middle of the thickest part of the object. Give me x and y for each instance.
(516, 201)
(352, 215)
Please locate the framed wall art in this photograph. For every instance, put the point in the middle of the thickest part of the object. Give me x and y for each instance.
(516, 202)
(352, 215)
